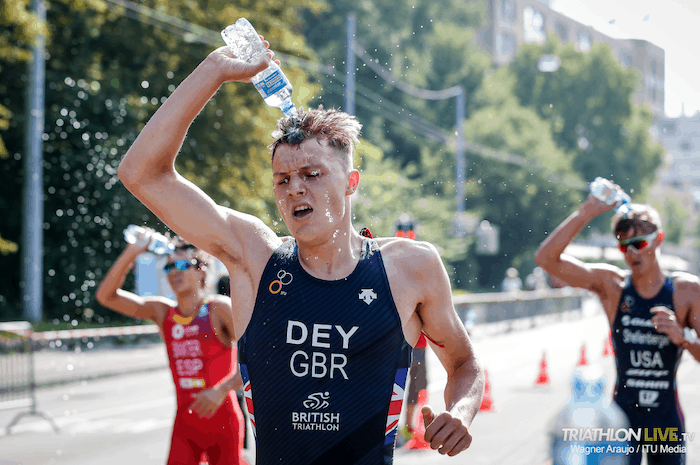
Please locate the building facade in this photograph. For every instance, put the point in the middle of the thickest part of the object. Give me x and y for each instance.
(508, 24)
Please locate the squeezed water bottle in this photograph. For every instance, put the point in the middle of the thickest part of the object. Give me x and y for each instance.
(159, 244)
(272, 84)
(605, 191)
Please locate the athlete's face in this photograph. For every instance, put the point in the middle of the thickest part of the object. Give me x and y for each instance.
(639, 248)
(184, 272)
(312, 185)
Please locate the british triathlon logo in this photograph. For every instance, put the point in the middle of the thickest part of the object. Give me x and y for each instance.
(368, 296)
(316, 421)
(317, 401)
(283, 279)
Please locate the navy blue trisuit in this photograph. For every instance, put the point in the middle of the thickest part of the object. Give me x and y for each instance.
(647, 362)
(324, 364)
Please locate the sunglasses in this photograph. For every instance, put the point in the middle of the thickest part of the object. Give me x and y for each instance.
(180, 265)
(639, 242)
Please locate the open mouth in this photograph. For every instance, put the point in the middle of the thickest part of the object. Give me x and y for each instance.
(302, 211)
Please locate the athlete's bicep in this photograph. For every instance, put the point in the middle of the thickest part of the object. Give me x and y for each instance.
(225, 233)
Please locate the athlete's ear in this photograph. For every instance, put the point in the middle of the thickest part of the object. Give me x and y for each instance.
(661, 237)
(353, 182)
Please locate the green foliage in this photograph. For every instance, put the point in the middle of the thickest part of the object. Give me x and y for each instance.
(108, 69)
(19, 28)
(589, 104)
(674, 217)
(426, 44)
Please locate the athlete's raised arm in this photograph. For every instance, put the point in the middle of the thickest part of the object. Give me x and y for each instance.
(551, 257)
(111, 295)
(148, 169)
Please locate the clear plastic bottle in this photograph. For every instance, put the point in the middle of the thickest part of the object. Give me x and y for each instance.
(159, 244)
(605, 191)
(272, 84)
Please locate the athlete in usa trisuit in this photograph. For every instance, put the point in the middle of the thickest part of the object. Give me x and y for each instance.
(325, 321)
(648, 310)
(198, 332)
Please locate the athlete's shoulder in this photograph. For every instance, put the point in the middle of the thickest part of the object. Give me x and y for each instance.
(159, 307)
(219, 302)
(686, 282)
(409, 259)
(409, 249)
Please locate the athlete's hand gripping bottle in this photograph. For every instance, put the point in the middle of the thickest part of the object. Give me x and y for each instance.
(272, 84)
(608, 193)
(159, 244)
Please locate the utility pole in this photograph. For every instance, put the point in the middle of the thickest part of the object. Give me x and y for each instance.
(350, 65)
(33, 226)
(460, 163)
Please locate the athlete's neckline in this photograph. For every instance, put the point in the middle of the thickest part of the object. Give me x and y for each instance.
(661, 288)
(364, 250)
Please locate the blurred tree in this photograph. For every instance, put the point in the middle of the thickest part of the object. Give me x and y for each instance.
(674, 217)
(20, 27)
(524, 197)
(108, 69)
(426, 44)
(589, 104)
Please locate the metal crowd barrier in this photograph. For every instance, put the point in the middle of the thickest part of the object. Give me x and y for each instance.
(18, 382)
(18, 346)
(511, 309)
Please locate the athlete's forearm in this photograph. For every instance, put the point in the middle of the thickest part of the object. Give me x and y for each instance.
(464, 390)
(116, 275)
(553, 247)
(154, 151)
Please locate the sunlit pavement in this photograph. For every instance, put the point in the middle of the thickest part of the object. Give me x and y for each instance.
(128, 418)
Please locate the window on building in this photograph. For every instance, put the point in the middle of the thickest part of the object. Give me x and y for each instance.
(669, 128)
(625, 59)
(653, 67)
(508, 10)
(533, 21)
(584, 41)
(562, 32)
(506, 44)
(685, 146)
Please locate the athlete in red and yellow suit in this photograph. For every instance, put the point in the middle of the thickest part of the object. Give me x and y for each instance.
(198, 361)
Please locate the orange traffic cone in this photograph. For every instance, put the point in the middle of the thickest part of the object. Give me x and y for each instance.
(487, 404)
(582, 360)
(542, 376)
(417, 441)
(608, 350)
